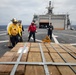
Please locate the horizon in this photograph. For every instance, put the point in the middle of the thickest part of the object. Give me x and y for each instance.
(29, 24)
(7, 24)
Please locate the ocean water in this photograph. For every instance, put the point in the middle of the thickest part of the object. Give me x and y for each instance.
(4, 27)
(73, 26)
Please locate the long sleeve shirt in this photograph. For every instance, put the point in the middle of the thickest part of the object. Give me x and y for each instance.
(32, 28)
(13, 30)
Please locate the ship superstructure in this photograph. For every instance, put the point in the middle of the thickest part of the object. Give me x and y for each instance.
(59, 21)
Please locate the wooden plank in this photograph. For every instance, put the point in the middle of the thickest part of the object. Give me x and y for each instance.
(37, 49)
(51, 50)
(20, 44)
(64, 70)
(21, 68)
(4, 68)
(70, 47)
(52, 69)
(68, 58)
(61, 50)
(34, 45)
(9, 54)
(47, 44)
(45, 49)
(34, 49)
(34, 70)
(16, 48)
(74, 54)
(29, 69)
(56, 57)
(42, 44)
(23, 58)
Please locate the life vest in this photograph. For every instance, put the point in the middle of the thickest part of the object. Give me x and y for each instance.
(13, 29)
(20, 27)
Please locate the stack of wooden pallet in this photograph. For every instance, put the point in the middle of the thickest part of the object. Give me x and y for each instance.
(42, 54)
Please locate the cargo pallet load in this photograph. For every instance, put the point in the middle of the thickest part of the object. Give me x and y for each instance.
(39, 59)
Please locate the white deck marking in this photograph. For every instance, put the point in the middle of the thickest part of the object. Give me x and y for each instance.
(3, 34)
(56, 41)
(54, 37)
(4, 41)
(36, 39)
(3, 31)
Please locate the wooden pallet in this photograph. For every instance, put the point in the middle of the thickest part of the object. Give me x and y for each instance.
(51, 54)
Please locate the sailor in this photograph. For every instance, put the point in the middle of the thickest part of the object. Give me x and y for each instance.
(13, 31)
(50, 29)
(10, 23)
(21, 29)
(9, 43)
(32, 31)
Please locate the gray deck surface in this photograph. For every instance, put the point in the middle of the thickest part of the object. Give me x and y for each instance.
(63, 36)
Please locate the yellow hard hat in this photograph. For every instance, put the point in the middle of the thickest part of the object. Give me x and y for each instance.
(14, 20)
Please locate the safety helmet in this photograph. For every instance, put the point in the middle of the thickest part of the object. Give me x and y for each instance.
(14, 20)
(19, 21)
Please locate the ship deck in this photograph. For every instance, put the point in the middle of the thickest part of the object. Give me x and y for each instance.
(59, 36)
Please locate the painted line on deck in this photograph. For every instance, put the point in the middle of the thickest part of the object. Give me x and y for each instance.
(4, 41)
(54, 37)
(55, 40)
(3, 34)
(2, 31)
(36, 39)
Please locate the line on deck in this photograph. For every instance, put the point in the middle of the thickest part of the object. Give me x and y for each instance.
(56, 41)
(4, 41)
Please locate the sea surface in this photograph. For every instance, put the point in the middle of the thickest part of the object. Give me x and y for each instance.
(4, 27)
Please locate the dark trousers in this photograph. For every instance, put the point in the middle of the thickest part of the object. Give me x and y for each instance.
(30, 34)
(20, 38)
(14, 40)
(50, 34)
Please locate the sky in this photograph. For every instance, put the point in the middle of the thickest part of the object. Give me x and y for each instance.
(25, 9)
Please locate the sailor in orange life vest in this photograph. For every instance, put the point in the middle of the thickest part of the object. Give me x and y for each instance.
(13, 31)
(32, 31)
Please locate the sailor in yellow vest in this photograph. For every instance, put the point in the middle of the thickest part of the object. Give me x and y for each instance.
(21, 29)
(13, 31)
